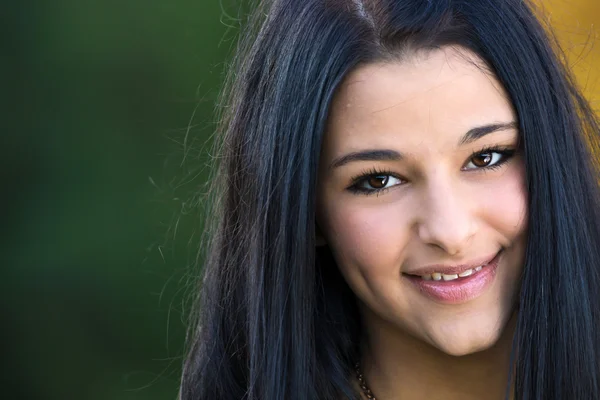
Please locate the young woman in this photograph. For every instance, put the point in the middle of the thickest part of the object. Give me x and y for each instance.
(405, 208)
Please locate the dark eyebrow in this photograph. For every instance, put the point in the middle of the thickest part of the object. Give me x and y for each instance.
(392, 155)
(481, 131)
(366, 155)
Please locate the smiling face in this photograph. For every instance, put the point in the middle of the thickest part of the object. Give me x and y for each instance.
(421, 198)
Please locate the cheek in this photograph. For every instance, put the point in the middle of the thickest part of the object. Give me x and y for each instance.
(504, 204)
(371, 237)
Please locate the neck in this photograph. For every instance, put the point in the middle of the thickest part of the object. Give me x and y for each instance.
(399, 366)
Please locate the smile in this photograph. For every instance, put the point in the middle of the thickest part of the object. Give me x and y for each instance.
(438, 276)
(456, 284)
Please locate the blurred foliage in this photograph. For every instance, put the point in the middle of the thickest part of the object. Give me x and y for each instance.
(108, 112)
(108, 108)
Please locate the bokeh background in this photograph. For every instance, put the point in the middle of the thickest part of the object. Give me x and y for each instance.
(108, 109)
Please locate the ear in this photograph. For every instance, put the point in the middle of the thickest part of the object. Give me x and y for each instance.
(319, 238)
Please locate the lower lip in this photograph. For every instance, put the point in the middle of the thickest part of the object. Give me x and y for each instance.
(458, 290)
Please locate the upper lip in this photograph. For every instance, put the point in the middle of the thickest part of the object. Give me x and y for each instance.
(448, 269)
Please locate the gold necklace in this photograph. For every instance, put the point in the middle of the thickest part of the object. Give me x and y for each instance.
(363, 383)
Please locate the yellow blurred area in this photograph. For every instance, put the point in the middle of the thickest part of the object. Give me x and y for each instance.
(576, 24)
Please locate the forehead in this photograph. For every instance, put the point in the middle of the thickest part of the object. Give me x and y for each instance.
(430, 97)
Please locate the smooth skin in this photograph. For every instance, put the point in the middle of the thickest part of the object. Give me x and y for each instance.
(402, 185)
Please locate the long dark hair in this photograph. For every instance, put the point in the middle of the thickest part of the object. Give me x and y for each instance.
(275, 319)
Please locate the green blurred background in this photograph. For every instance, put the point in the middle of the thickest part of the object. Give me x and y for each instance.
(108, 105)
(108, 112)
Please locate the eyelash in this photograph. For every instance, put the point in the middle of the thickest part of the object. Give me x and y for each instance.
(506, 152)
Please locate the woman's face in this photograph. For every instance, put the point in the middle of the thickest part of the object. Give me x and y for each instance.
(421, 198)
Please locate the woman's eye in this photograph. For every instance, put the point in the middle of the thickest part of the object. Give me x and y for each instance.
(486, 159)
(373, 183)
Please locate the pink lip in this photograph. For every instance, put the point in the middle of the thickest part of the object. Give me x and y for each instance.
(459, 290)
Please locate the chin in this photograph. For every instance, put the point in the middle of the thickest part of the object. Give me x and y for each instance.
(467, 341)
(464, 349)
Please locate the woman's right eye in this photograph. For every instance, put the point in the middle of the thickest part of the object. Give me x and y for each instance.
(375, 183)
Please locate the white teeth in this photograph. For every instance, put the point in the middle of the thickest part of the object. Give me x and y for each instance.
(449, 277)
(437, 276)
(466, 273)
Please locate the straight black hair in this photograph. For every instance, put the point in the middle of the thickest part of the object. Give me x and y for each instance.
(274, 317)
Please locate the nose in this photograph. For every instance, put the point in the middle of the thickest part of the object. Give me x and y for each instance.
(447, 218)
